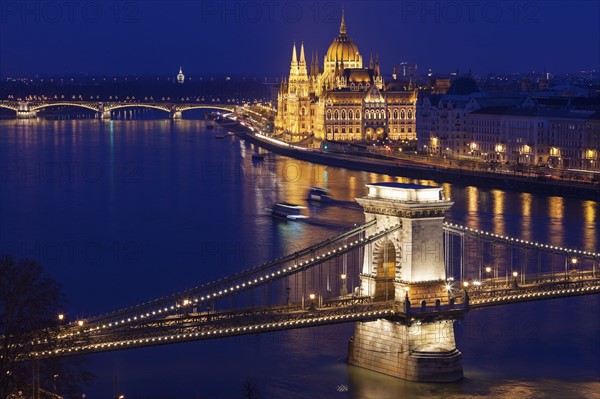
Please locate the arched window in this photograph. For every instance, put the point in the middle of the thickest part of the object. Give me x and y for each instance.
(402, 114)
(410, 114)
(395, 114)
(343, 114)
(350, 115)
(336, 115)
(303, 111)
(358, 114)
(328, 114)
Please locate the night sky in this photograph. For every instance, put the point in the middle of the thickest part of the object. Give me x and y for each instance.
(255, 37)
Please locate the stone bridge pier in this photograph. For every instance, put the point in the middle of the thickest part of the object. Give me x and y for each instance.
(406, 267)
(175, 113)
(25, 112)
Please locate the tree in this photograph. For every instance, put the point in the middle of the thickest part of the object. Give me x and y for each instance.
(30, 302)
(250, 389)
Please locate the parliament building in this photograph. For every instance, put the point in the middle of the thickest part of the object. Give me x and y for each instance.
(343, 101)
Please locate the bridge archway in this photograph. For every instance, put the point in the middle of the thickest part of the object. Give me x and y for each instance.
(4, 106)
(110, 108)
(385, 269)
(208, 107)
(64, 104)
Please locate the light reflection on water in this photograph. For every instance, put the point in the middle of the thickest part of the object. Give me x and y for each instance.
(180, 194)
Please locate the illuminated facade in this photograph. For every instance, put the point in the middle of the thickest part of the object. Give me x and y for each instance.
(512, 130)
(345, 101)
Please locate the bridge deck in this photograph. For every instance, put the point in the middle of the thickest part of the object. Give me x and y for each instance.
(192, 326)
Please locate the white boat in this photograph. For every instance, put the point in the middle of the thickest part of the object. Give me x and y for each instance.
(288, 211)
(319, 194)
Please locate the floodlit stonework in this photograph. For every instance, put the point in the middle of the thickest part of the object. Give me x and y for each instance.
(344, 101)
(406, 267)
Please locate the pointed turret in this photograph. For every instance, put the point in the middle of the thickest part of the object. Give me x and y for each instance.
(371, 66)
(317, 71)
(302, 59)
(343, 24)
(302, 71)
(377, 70)
(294, 63)
(294, 57)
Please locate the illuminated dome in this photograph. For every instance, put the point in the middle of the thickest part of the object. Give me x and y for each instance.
(342, 52)
(343, 48)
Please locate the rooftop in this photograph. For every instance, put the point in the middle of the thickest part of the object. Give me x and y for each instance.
(406, 193)
(403, 185)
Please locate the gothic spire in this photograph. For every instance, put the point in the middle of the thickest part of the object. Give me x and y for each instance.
(294, 57)
(343, 24)
(302, 70)
(302, 59)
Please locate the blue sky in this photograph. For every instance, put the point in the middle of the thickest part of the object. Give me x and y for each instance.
(255, 37)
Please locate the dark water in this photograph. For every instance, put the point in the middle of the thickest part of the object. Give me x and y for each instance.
(125, 211)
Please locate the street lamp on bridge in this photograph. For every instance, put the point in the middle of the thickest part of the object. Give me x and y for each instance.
(344, 289)
(488, 271)
(312, 302)
(573, 261)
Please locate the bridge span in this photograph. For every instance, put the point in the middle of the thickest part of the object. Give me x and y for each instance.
(403, 277)
(103, 110)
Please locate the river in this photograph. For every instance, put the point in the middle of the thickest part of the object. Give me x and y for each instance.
(129, 210)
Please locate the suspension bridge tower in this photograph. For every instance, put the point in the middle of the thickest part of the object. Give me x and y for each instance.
(407, 267)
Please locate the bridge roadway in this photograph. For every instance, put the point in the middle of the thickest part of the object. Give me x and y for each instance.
(175, 318)
(192, 326)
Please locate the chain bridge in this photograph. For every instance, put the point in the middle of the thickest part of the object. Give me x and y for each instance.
(403, 277)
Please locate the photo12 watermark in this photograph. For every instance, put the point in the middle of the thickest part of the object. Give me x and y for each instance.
(33, 172)
(270, 12)
(469, 12)
(75, 252)
(329, 12)
(69, 12)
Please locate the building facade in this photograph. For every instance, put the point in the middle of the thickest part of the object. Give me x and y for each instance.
(508, 130)
(344, 101)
